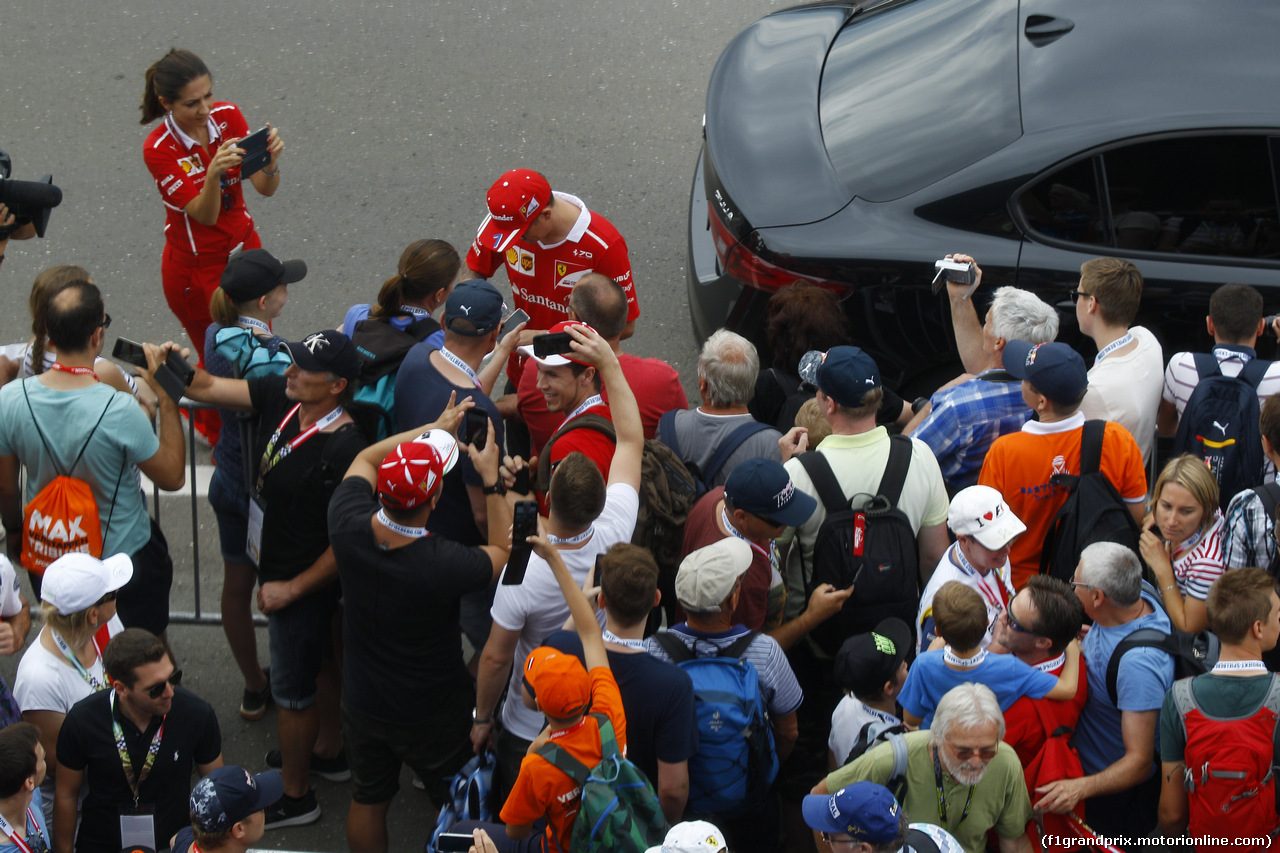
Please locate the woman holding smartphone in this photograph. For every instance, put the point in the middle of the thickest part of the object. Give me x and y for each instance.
(195, 161)
(1182, 539)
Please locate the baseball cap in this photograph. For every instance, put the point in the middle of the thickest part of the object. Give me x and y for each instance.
(76, 581)
(229, 794)
(478, 301)
(513, 200)
(558, 681)
(707, 575)
(445, 443)
(980, 512)
(327, 351)
(409, 475)
(865, 810)
(692, 836)
(256, 272)
(763, 487)
(557, 360)
(844, 374)
(1056, 370)
(866, 661)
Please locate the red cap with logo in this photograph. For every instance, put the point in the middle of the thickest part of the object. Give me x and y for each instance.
(514, 200)
(409, 475)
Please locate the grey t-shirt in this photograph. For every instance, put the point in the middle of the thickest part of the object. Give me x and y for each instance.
(700, 435)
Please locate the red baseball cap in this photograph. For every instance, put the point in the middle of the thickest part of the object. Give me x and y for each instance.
(514, 200)
(558, 681)
(557, 360)
(409, 475)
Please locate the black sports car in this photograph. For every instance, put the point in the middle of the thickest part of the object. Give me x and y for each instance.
(852, 145)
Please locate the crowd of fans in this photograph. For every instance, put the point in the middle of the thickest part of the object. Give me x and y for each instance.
(367, 480)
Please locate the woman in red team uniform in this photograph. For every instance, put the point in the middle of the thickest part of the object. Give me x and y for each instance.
(193, 157)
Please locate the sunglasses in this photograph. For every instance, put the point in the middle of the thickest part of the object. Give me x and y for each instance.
(1014, 623)
(827, 839)
(986, 753)
(106, 321)
(155, 691)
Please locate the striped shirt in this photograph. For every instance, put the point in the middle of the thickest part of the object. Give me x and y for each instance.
(1181, 378)
(778, 685)
(1245, 539)
(1196, 570)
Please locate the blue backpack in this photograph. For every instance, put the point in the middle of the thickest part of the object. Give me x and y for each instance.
(736, 761)
(469, 795)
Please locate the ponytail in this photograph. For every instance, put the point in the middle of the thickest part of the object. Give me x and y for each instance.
(223, 311)
(43, 289)
(426, 266)
(166, 79)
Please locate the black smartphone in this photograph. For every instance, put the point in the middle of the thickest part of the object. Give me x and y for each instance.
(524, 523)
(181, 368)
(130, 352)
(522, 485)
(454, 842)
(174, 375)
(552, 343)
(477, 426)
(516, 317)
(256, 155)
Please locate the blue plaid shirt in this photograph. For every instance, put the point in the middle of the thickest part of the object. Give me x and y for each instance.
(1247, 540)
(965, 420)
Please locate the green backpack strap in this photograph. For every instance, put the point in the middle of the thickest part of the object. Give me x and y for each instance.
(608, 740)
(565, 763)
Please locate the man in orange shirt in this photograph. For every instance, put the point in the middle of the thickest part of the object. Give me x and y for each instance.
(556, 684)
(1020, 464)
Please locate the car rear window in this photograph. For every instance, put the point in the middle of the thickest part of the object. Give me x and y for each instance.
(916, 92)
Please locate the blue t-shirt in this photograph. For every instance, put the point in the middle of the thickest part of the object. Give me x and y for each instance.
(421, 395)
(356, 313)
(1144, 677)
(36, 810)
(930, 678)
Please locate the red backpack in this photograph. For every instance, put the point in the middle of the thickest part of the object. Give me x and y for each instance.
(1231, 763)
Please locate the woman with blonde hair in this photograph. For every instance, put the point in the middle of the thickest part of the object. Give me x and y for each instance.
(1182, 539)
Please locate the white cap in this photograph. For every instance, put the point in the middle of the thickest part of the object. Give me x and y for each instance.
(76, 582)
(445, 444)
(692, 836)
(707, 575)
(980, 512)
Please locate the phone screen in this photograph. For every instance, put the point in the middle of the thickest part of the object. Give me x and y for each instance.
(130, 352)
(477, 427)
(524, 523)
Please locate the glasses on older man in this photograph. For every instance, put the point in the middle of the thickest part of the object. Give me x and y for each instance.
(964, 753)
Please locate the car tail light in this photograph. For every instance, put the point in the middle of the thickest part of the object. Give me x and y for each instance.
(743, 264)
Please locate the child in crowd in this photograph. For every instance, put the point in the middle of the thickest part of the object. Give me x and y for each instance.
(871, 670)
(961, 620)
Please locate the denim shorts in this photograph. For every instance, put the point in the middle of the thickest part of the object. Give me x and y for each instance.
(299, 636)
(231, 507)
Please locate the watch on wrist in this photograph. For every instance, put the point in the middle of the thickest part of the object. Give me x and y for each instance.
(496, 489)
(477, 720)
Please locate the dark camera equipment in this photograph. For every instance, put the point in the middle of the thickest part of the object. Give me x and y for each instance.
(28, 201)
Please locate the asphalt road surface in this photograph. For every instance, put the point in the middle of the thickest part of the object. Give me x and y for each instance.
(396, 117)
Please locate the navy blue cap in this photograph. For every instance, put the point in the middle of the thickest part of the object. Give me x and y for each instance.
(847, 374)
(229, 795)
(864, 810)
(1056, 370)
(254, 273)
(326, 351)
(763, 487)
(478, 301)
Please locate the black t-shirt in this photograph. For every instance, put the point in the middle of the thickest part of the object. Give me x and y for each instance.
(402, 651)
(87, 743)
(421, 396)
(297, 489)
(657, 697)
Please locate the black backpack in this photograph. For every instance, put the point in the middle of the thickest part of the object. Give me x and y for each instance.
(1193, 654)
(703, 479)
(1093, 511)
(1220, 424)
(872, 546)
(382, 347)
(1269, 495)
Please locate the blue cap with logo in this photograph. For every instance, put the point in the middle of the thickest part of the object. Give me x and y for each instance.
(845, 374)
(229, 795)
(864, 810)
(763, 487)
(1056, 370)
(478, 301)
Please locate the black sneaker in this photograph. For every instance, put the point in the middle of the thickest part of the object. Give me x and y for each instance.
(255, 702)
(293, 811)
(330, 769)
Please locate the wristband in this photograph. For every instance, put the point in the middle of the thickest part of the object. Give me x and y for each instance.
(480, 721)
(496, 489)
(271, 174)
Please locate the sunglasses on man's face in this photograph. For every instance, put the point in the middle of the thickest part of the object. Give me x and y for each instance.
(156, 690)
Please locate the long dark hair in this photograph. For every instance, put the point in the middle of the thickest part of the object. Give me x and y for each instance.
(45, 287)
(425, 267)
(167, 78)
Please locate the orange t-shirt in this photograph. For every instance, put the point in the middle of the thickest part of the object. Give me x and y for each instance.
(542, 789)
(1020, 464)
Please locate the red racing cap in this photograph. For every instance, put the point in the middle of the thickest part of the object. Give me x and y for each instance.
(514, 200)
(409, 475)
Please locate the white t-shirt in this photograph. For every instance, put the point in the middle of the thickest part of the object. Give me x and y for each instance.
(10, 594)
(536, 608)
(1125, 388)
(847, 720)
(995, 588)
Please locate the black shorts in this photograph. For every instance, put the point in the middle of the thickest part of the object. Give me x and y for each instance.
(144, 601)
(435, 748)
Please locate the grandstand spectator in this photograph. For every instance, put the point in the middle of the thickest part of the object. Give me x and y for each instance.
(49, 419)
(119, 743)
(657, 697)
(727, 369)
(871, 669)
(1020, 464)
(963, 417)
(79, 614)
(985, 529)
(425, 276)
(1126, 371)
(228, 811)
(585, 518)
(240, 345)
(1116, 738)
(22, 770)
(1182, 539)
(306, 442)
(599, 302)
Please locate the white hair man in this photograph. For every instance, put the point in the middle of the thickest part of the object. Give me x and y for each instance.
(960, 775)
(963, 417)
